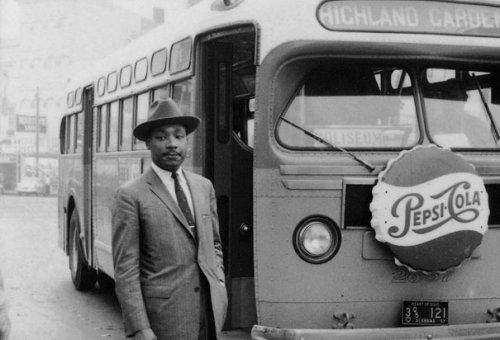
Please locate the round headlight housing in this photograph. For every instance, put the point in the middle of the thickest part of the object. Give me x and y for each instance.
(316, 239)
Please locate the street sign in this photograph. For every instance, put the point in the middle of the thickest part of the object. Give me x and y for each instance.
(25, 123)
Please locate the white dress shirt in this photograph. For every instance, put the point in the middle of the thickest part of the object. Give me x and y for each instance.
(166, 178)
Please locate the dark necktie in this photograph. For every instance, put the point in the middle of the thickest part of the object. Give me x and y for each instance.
(183, 203)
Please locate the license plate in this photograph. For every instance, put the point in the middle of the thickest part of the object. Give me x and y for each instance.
(424, 313)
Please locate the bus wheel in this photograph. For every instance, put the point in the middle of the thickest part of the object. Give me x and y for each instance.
(82, 275)
(106, 284)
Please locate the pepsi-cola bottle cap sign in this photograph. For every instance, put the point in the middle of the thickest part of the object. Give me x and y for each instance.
(431, 208)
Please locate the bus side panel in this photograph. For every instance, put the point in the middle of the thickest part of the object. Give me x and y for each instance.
(110, 172)
(105, 183)
(62, 207)
(70, 189)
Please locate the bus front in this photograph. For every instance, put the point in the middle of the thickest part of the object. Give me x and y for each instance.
(377, 172)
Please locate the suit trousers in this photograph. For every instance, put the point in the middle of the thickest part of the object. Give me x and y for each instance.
(207, 325)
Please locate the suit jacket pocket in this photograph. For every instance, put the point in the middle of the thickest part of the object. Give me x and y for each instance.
(156, 291)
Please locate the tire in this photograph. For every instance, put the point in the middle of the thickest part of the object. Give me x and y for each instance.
(83, 277)
(106, 284)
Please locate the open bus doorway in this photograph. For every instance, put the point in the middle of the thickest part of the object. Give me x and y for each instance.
(228, 84)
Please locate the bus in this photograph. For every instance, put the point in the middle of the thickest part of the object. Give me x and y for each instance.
(353, 146)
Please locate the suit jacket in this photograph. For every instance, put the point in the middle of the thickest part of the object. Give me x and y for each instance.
(158, 262)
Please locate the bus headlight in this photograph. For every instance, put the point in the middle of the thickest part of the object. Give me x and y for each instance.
(316, 239)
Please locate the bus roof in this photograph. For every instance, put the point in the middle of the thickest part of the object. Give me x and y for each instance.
(280, 21)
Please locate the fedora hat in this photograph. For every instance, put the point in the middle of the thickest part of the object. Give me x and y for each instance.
(165, 112)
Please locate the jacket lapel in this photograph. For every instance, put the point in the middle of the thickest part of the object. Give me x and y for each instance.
(158, 188)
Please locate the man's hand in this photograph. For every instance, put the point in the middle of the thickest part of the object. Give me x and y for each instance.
(145, 334)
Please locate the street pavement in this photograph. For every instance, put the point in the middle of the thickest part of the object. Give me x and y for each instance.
(43, 303)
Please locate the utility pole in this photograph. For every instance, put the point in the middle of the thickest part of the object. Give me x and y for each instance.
(37, 98)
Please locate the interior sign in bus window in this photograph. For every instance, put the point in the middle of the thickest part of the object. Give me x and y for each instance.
(410, 16)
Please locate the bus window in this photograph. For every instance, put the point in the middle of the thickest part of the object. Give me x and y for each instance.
(142, 113)
(71, 134)
(98, 132)
(244, 104)
(101, 86)
(348, 107)
(101, 134)
(112, 81)
(113, 127)
(251, 123)
(455, 113)
(79, 132)
(62, 136)
(97, 124)
(127, 116)
(182, 95)
(126, 76)
(161, 93)
(159, 62)
(141, 70)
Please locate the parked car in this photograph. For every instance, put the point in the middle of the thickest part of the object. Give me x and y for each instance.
(31, 185)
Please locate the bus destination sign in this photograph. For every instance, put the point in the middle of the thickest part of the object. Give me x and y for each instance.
(410, 17)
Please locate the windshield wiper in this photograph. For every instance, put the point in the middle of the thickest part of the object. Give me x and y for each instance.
(494, 127)
(327, 143)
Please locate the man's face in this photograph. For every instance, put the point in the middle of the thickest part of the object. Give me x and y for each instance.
(168, 146)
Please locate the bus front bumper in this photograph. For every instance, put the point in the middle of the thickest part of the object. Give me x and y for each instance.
(464, 332)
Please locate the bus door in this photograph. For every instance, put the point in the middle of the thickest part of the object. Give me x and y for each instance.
(228, 81)
(88, 104)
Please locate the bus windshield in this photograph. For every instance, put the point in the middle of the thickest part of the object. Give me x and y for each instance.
(462, 107)
(365, 107)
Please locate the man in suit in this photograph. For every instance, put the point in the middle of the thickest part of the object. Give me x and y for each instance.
(167, 252)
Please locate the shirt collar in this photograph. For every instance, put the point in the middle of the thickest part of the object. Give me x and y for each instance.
(165, 174)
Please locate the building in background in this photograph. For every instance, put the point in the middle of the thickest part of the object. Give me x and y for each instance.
(54, 39)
